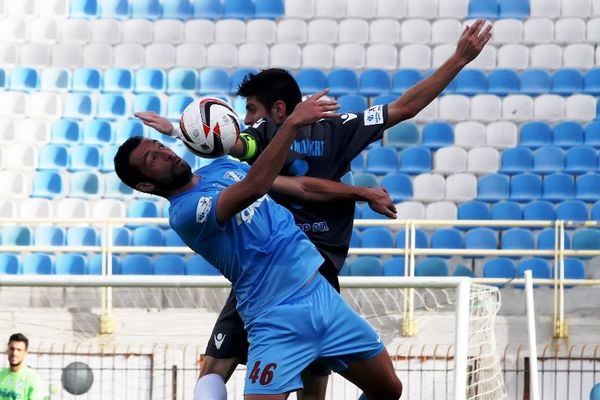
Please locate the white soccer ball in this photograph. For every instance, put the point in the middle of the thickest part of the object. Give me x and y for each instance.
(209, 127)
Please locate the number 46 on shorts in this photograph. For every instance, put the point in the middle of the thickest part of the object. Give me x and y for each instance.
(264, 376)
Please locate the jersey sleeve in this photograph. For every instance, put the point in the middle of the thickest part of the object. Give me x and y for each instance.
(353, 132)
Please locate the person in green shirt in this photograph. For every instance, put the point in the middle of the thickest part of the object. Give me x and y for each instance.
(18, 381)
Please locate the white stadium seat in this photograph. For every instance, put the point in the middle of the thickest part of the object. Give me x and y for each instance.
(98, 55)
(502, 134)
(199, 31)
(483, 160)
(304, 9)
(547, 56)
(261, 31)
(22, 8)
(454, 107)
(105, 31)
(290, 30)
(429, 113)
(169, 31)
(43, 31)
(486, 107)
(446, 31)
(160, 55)
(38, 131)
(13, 30)
(75, 30)
(384, 30)
(353, 30)
(8, 130)
(8, 208)
(222, 55)
(382, 56)
(577, 8)
(317, 55)
(549, 107)
(66, 208)
(593, 29)
(469, 134)
(415, 30)
(569, 30)
(441, 53)
(191, 55)
(410, 210)
(579, 55)
(429, 187)
(108, 208)
(517, 107)
(422, 8)
(507, 30)
(441, 210)
(36, 55)
(486, 59)
(515, 56)
(230, 31)
(14, 104)
(453, 8)
(581, 107)
(322, 31)
(415, 56)
(35, 208)
(330, 9)
(449, 160)
(55, 9)
(461, 187)
(395, 9)
(253, 55)
(139, 31)
(287, 55)
(15, 184)
(349, 55)
(545, 8)
(44, 105)
(360, 9)
(538, 30)
(21, 157)
(129, 55)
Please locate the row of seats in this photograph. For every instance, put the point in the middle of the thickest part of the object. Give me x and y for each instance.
(78, 264)
(342, 81)
(499, 267)
(292, 55)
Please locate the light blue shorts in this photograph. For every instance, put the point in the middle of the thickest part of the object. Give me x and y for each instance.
(315, 323)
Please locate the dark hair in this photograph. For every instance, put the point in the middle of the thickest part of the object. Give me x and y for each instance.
(129, 175)
(271, 85)
(19, 337)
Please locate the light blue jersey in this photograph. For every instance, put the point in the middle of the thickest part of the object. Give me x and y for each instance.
(260, 250)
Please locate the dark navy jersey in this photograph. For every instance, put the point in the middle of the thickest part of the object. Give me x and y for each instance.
(324, 150)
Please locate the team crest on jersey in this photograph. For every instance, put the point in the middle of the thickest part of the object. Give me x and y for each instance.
(374, 115)
(234, 176)
(203, 208)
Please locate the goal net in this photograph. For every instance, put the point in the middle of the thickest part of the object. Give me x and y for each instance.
(143, 336)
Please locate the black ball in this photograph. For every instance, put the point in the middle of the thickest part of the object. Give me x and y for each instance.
(77, 378)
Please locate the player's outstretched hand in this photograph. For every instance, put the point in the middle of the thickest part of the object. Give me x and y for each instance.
(153, 120)
(473, 40)
(381, 202)
(313, 109)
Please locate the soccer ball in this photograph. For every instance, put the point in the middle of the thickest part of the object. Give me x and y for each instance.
(209, 127)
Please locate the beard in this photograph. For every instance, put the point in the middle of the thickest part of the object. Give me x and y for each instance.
(176, 180)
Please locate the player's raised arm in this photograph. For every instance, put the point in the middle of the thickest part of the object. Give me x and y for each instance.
(470, 44)
(267, 166)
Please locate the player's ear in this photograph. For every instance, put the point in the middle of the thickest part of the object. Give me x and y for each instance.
(279, 110)
(145, 187)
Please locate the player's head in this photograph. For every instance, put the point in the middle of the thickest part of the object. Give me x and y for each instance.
(16, 350)
(150, 167)
(271, 93)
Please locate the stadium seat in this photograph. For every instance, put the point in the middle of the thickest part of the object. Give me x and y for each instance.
(481, 238)
(415, 160)
(136, 264)
(507, 210)
(70, 264)
(431, 266)
(173, 239)
(567, 134)
(572, 210)
(539, 210)
(535, 134)
(366, 266)
(208, 9)
(86, 80)
(353, 30)
(398, 185)
(546, 55)
(429, 187)
(591, 81)
(475, 210)
(24, 79)
(392, 267)
(83, 9)
(196, 265)
(85, 184)
(53, 156)
(84, 157)
(34, 208)
(365, 180)
(169, 264)
(100, 55)
(503, 81)
(352, 103)
(17, 236)
(410, 210)
(182, 80)
(150, 80)
(11, 264)
(311, 80)
(453, 107)
(574, 269)
(548, 159)
(581, 107)
(576, 8)
(579, 55)
(112, 106)
(147, 236)
(514, 9)
(107, 158)
(115, 188)
(38, 263)
(47, 184)
(415, 56)
(482, 160)
(441, 210)
(493, 187)
(117, 80)
(591, 134)
(376, 237)
(546, 240)
(558, 187)
(53, 79)
(146, 9)
(538, 266)
(487, 9)
(401, 135)
(384, 31)
(470, 82)
(177, 9)
(143, 208)
(469, 134)
(114, 9)
(587, 187)
(449, 160)
(517, 239)
(148, 102)
(500, 267)
(421, 239)
(525, 187)
(486, 107)
(586, 239)
(447, 238)
(78, 106)
(240, 9)
(82, 236)
(461, 187)
(457, 9)
(567, 81)
(404, 79)
(95, 265)
(342, 81)
(535, 82)
(176, 104)
(513, 56)
(437, 134)
(97, 132)
(373, 82)
(445, 31)
(126, 128)
(213, 80)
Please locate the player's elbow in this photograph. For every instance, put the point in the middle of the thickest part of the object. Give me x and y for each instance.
(401, 110)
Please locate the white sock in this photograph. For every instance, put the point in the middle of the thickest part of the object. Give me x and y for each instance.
(210, 387)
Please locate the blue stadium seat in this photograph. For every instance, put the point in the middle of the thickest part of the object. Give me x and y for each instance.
(415, 160)
(558, 187)
(49, 236)
(403, 134)
(586, 239)
(567, 134)
(146, 9)
(169, 264)
(352, 103)
(70, 264)
(574, 269)
(269, 9)
(581, 159)
(481, 238)
(487, 9)
(213, 80)
(515, 160)
(53, 156)
(117, 80)
(587, 187)
(115, 9)
(382, 160)
(518, 9)
(238, 76)
(394, 267)
(358, 163)
(65, 131)
(17, 236)
(368, 213)
(398, 185)
(107, 158)
(470, 82)
(311, 80)
(173, 239)
(9, 264)
(82, 236)
(538, 266)
(86, 80)
(437, 134)
(115, 188)
(507, 210)
(95, 265)
(83, 9)
(572, 210)
(383, 99)
(539, 210)
(126, 128)
(85, 184)
(38, 263)
(499, 267)
(404, 79)
(591, 82)
(366, 266)
(548, 159)
(373, 82)
(177, 9)
(24, 79)
(182, 80)
(342, 81)
(591, 134)
(148, 236)
(493, 187)
(4, 78)
(461, 270)
(47, 184)
(567, 81)
(365, 179)
(97, 132)
(431, 266)
(197, 265)
(535, 134)
(355, 239)
(535, 82)
(240, 9)
(84, 157)
(517, 239)
(375, 237)
(137, 264)
(208, 9)
(546, 239)
(447, 238)
(176, 103)
(503, 81)
(143, 208)
(78, 105)
(121, 236)
(112, 106)
(150, 80)
(421, 239)
(148, 102)
(525, 187)
(474, 210)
